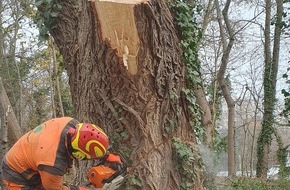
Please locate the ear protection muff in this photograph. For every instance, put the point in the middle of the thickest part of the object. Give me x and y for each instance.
(78, 155)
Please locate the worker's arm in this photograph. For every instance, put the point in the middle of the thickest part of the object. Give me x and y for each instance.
(55, 182)
(52, 182)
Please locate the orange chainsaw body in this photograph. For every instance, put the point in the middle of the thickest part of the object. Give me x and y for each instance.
(98, 173)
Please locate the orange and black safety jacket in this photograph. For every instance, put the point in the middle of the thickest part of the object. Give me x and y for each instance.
(41, 156)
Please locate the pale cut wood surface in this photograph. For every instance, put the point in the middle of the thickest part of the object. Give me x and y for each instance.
(117, 24)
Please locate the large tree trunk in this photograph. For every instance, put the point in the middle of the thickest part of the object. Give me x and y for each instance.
(126, 74)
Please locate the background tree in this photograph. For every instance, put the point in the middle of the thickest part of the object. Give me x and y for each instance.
(227, 46)
(24, 96)
(269, 84)
(17, 56)
(54, 75)
(9, 127)
(24, 66)
(207, 118)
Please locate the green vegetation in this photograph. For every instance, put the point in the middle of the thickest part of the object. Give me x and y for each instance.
(184, 158)
(286, 93)
(46, 18)
(190, 36)
(245, 183)
(133, 183)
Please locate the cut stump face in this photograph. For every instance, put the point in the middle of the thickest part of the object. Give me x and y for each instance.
(117, 24)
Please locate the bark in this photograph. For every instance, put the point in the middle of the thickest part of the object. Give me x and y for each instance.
(14, 130)
(124, 80)
(3, 138)
(2, 130)
(206, 117)
(3, 142)
(227, 46)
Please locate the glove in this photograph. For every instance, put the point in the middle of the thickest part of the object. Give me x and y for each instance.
(114, 161)
(73, 187)
(85, 188)
(114, 158)
(82, 188)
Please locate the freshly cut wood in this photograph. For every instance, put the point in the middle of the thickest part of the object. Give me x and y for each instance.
(117, 25)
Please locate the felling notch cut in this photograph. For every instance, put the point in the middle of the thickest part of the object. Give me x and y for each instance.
(117, 24)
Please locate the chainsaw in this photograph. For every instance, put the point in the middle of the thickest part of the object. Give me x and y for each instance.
(107, 176)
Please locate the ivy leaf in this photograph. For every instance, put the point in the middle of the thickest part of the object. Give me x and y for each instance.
(285, 93)
(38, 3)
(53, 14)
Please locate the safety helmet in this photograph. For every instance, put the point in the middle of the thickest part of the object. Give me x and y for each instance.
(89, 141)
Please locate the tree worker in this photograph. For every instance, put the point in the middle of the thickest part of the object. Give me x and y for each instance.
(41, 157)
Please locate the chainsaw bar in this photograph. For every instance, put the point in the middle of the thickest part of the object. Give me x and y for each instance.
(114, 184)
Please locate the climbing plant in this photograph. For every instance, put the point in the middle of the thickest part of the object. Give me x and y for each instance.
(286, 93)
(185, 155)
(190, 35)
(46, 17)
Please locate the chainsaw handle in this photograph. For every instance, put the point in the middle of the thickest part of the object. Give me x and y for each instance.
(110, 157)
(102, 160)
(122, 169)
